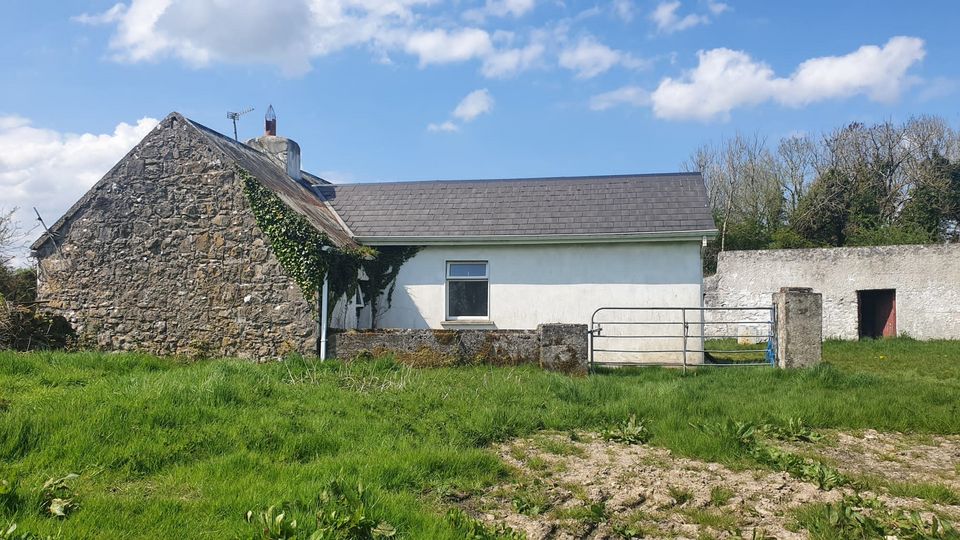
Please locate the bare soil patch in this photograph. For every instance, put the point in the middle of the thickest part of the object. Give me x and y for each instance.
(587, 488)
(894, 457)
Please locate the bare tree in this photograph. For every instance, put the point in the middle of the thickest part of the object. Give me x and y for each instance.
(894, 156)
(740, 180)
(8, 236)
(796, 166)
(750, 181)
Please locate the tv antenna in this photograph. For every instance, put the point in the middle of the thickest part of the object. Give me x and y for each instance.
(236, 116)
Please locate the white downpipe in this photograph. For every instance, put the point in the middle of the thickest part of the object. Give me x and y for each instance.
(323, 316)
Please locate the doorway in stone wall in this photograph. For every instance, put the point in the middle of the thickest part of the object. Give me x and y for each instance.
(877, 313)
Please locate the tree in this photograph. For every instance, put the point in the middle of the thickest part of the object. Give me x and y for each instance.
(18, 285)
(741, 184)
(934, 202)
(795, 168)
(8, 235)
(823, 213)
(860, 184)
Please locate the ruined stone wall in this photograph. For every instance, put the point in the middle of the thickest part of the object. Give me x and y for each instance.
(164, 256)
(558, 347)
(440, 347)
(926, 280)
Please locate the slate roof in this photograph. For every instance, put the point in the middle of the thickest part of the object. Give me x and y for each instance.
(638, 205)
(641, 204)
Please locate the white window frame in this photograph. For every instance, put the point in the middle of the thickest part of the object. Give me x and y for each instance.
(357, 300)
(446, 289)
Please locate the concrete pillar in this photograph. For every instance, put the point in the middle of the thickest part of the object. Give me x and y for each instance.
(799, 313)
(563, 347)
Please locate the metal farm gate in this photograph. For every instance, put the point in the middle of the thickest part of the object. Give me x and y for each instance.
(682, 337)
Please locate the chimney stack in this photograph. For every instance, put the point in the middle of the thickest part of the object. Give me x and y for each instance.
(270, 122)
(281, 149)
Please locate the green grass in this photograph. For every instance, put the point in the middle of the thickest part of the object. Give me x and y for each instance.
(719, 495)
(168, 449)
(730, 351)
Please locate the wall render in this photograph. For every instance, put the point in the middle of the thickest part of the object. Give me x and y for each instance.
(926, 280)
(557, 283)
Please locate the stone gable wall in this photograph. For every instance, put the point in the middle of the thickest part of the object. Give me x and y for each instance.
(164, 256)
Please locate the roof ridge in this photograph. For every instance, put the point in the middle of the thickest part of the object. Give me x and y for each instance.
(584, 178)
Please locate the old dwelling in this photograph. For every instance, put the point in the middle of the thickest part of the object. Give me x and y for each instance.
(164, 254)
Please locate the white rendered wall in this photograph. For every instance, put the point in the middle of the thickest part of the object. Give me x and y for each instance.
(926, 279)
(558, 283)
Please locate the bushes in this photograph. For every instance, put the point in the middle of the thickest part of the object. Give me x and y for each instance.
(18, 285)
(24, 328)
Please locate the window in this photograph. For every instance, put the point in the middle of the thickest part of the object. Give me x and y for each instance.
(467, 290)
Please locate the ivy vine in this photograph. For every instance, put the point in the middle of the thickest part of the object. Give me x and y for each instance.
(381, 271)
(298, 246)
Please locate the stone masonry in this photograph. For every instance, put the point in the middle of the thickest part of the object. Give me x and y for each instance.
(557, 347)
(164, 256)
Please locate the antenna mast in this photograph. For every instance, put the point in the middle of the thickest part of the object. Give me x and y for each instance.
(236, 116)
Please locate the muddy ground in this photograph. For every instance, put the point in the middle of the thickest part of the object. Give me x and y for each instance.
(581, 486)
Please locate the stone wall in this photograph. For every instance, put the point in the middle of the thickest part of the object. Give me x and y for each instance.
(559, 347)
(164, 256)
(926, 280)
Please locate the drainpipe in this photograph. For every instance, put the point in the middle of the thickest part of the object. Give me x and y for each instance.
(322, 301)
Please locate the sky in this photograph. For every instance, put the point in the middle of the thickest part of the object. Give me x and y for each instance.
(382, 90)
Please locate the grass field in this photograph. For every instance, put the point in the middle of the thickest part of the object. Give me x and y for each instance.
(165, 449)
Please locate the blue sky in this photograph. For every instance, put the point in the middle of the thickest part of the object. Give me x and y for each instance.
(419, 89)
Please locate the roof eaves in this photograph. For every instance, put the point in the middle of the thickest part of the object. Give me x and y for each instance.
(588, 238)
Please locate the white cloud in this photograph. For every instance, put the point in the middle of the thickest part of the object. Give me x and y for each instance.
(440, 46)
(725, 79)
(668, 21)
(500, 8)
(938, 88)
(476, 103)
(285, 33)
(50, 170)
(624, 9)
(447, 127)
(113, 14)
(633, 96)
(589, 58)
(717, 7)
(509, 62)
(290, 34)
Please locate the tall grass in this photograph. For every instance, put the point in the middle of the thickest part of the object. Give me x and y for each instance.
(168, 449)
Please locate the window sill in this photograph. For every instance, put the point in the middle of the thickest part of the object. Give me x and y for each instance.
(468, 323)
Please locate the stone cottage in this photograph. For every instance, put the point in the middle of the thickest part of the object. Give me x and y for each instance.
(165, 255)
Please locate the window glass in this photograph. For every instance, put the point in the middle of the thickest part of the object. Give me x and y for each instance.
(467, 298)
(467, 269)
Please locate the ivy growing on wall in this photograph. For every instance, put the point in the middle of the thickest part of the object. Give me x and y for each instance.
(381, 271)
(298, 246)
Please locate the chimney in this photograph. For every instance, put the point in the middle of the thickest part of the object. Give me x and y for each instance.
(281, 149)
(270, 122)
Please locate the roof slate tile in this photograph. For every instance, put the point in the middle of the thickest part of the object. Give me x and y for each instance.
(659, 203)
